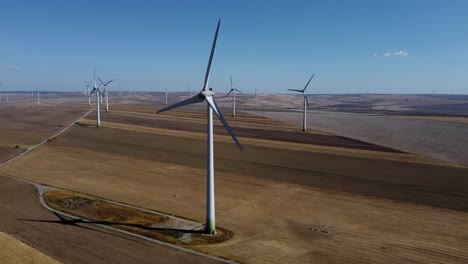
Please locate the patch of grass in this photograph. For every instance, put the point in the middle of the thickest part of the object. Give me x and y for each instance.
(96, 210)
(128, 218)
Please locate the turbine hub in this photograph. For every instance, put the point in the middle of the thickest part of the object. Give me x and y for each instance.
(207, 93)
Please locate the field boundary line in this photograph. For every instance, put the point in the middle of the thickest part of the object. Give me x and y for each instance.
(47, 139)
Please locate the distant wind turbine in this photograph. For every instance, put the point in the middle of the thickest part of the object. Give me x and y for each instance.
(255, 97)
(106, 93)
(207, 95)
(233, 91)
(87, 84)
(38, 98)
(98, 94)
(306, 103)
(189, 91)
(166, 95)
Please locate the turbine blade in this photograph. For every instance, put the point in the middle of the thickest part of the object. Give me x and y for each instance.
(295, 90)
(229, 92)
(100, 81)
(210, 100)
(308, 82)
(108, 82)
(231, 80)
(238, 91)
(94, 89)
(307, 101)
(208, 69)
(192, 100)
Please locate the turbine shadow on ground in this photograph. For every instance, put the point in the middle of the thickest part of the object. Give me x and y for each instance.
(72, 222)
(75, 222)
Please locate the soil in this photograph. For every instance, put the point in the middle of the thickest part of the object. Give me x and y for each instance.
(24, 217)
(288, 136)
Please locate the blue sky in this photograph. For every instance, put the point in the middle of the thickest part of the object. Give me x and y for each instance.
(352, 46)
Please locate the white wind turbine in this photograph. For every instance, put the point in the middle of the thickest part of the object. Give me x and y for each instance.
(98, 92)
(306, 103)
(38, 97)
(106, 93)
(207, 95)
(189, 91)
(166, 95)
(233, 91)
(87, 84)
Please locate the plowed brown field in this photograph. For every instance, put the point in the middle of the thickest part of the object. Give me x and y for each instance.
(286, 202)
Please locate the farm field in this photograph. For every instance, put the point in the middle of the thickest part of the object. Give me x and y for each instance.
(14, 251)
(314, 201)
(454, 120)
(424, 136)
(22, 127)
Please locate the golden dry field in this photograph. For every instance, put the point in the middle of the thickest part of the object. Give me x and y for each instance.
(15, 251)
(290, 197)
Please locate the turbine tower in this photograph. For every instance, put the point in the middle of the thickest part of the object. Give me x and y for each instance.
(106, 93)
(166, 95)
(98, 92)
(87, 84)
(38, 98)
(206, 94)
(233, 91)
(189, 91)
(306, 103)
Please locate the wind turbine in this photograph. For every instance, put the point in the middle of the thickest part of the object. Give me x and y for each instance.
(38, 97)
(166, 95)
(98, 92)
(306, 103)
(189, 91)
(233, 91)
(206, 94)
(255, 97)
(87, 91)
(106, 92)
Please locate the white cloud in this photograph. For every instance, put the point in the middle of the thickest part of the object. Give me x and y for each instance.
(400, 53)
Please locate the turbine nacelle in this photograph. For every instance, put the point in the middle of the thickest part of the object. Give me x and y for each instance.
(207, 93)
